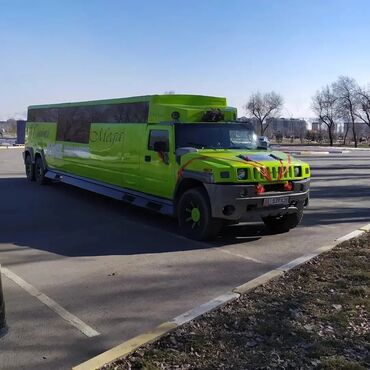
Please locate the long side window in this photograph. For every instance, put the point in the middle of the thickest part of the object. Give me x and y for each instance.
(73, 122)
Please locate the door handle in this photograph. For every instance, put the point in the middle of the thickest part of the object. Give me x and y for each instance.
(147, 158)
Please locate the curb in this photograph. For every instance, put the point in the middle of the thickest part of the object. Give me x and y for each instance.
(303, 152)
(129, 346)
(11, 146)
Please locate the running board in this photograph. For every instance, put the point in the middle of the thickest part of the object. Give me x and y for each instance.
(129, 196)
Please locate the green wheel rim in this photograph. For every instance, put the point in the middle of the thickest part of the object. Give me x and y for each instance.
(193, 215)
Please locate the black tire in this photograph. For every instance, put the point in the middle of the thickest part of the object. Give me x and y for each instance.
(40, 171)
(194, 215)
(29, 168)
(282, 224)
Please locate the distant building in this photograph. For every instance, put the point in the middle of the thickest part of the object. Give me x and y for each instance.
(316, 126)
(285, 127)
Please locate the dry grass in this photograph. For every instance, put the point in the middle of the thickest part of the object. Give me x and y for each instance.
(314, 317)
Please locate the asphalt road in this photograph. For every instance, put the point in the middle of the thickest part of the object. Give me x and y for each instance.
(123, 270)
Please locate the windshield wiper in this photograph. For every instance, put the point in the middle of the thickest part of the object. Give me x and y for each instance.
(243, 147)
(196, 145)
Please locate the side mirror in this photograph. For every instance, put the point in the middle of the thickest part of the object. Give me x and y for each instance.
(160, 147)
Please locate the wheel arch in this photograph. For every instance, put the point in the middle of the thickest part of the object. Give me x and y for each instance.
(28, 151)
(40, 154)
(185, 184)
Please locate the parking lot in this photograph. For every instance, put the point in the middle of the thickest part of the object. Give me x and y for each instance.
(122, 270)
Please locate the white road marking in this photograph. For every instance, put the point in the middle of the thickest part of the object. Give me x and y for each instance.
(63, 313)
(239, 255)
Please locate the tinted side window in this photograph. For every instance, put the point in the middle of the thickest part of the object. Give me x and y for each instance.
(128, 113)
(74, 122)
(158, 135)
(42, 115)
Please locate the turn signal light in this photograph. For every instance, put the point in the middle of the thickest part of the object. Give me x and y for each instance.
(260, 189)
(288, 186)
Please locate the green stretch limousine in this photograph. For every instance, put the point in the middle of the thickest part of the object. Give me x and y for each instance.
(180, 155)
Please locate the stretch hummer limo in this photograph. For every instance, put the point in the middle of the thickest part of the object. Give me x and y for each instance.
(181, 155)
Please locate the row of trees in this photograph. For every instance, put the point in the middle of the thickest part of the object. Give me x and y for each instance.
(8, 127)
(342, 101)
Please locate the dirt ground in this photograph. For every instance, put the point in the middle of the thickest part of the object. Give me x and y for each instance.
(314, 317)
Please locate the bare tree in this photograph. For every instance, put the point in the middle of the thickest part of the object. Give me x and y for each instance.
(12, 125)
(346, 89)
(324, 104)
(264, 106)
(346, 129)
(363, 106)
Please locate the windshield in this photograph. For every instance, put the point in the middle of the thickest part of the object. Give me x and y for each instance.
(215, 136)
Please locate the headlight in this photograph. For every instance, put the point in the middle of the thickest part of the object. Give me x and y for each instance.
(242, 174)
(297, 171)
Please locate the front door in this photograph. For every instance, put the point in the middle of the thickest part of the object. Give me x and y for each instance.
(158, 162)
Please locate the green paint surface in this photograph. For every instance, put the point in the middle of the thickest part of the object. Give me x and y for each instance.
(118, 154)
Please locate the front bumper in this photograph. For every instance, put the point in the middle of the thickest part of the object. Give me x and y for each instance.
(235, 202)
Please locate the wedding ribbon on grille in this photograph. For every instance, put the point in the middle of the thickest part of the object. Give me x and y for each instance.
(245, 159)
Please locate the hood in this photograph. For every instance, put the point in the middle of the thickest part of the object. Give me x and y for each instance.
(217, 161)
(237, 158)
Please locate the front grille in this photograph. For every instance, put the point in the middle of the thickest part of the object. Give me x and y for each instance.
(274, 173)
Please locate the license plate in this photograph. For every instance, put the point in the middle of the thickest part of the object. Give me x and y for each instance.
(283, 201)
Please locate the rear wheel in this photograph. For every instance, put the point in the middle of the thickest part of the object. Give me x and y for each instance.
(40, 171)
(282, 224)
(194, 215)
(29, 168)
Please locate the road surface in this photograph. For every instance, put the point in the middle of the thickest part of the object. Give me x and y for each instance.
(123, 270)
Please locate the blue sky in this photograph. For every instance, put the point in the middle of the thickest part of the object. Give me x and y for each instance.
(56, 51)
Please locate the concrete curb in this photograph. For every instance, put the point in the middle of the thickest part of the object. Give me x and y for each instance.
(11, 146)
(260, 280)
(129, 346)
(304, 152)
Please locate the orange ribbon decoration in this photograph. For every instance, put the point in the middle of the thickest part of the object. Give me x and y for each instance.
(283, 170)
(259, 166)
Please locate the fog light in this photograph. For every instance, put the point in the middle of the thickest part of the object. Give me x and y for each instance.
(228, 210)
(242, 174)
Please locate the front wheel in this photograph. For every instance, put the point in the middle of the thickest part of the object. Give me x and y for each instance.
(282, 224)
(194, 215)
